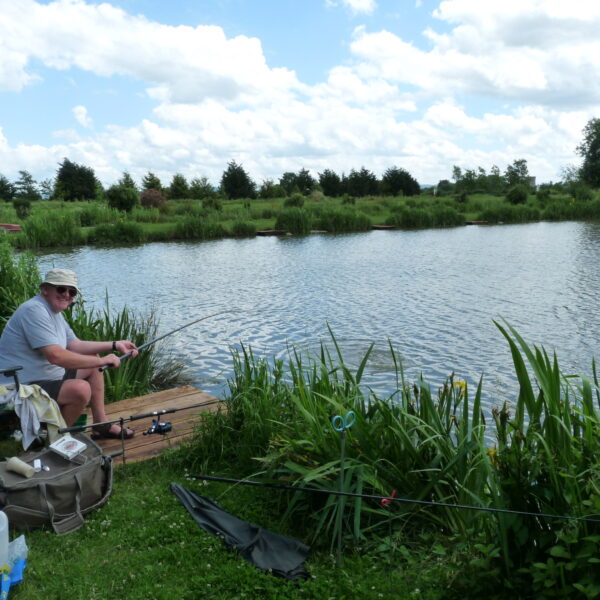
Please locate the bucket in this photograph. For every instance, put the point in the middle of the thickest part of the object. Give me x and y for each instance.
(3, 539)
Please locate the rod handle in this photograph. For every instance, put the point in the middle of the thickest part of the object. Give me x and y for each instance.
(104, 367)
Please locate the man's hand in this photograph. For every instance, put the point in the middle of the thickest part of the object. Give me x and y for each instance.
(111, 361)
(126, 347)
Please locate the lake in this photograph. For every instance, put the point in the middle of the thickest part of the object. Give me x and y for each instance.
(432, 294)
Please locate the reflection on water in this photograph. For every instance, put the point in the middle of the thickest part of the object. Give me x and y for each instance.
(432, 294)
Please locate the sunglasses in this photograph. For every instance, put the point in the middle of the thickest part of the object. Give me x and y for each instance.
(61, 289)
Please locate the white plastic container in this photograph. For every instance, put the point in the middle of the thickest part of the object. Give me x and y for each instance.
(3, 539)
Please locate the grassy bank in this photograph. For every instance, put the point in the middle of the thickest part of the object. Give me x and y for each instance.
(54, 224)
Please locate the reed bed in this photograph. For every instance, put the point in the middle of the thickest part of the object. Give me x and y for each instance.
(428, 446)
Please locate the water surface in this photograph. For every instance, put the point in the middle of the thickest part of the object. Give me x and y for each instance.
(433, 294)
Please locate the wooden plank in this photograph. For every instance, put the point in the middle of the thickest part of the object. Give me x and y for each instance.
(183, 422)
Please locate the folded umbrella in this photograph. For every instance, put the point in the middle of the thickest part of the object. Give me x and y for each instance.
(267, 550)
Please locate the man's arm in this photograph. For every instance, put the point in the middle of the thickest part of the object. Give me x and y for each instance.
(84, 347)
(72, 359)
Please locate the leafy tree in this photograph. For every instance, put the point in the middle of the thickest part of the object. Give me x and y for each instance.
(151, 182)
(122, 197)
(399, 181)
(270, 189)
(305, 181)
(7, 189)
(74, 182)
(127, 181)
(47, 188)
(518, 194)
(331, 183)
(589, 149)
(289, 182)
(26, 187)
(236, 183)
(179, 188)
(202, 188)
(361, 183)
(444, 187)
(517, 173)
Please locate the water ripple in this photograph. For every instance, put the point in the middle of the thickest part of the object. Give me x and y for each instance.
(432, 294)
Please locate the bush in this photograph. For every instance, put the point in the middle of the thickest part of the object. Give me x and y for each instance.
(342, 220)
(126, 232)
(122, 197)
(48, 229)
(213, 203)
(23, 207)
(94, 214)
(243, 229)
(295, 220)
(517, 194)
(152, 199)
(296, 199)
(199, 228)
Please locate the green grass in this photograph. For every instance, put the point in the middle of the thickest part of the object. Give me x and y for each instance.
(189, 219)
(143, 545)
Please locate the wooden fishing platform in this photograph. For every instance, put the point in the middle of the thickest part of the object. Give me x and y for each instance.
(142, 447)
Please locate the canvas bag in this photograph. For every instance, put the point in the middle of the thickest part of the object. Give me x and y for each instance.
(61, 496)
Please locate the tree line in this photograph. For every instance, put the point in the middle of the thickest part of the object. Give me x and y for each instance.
(78, 182)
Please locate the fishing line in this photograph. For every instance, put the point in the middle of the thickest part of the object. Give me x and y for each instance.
(392, 498)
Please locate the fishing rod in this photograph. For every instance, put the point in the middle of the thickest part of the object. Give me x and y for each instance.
(154, 413)
(389, 499)
(164, 335)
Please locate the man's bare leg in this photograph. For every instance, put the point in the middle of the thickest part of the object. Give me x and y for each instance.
(95, 380)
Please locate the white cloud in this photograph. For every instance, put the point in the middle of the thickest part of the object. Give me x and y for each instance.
(393, 103)
(355, 6)
(81, 116)
(540, 51)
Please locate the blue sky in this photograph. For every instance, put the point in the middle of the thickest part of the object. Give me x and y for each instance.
(279, 85)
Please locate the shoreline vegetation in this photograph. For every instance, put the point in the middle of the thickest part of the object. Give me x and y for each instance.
(536, 455)
(53, 224)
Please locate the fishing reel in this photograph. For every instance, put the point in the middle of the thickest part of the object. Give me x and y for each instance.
(159, 427)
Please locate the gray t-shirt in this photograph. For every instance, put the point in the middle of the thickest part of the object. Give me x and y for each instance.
(32, 326)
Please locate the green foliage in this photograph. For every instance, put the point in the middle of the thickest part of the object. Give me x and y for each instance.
(331, 183)
(439, 214)
(338, 220)
(236, 183)
(201, 188)
(47, 229)
(75, 182)
(122, 197)
(127, 181)
(212, 203)
(296, 199)
(22, 207)
(199, 228)
(19, 279)
(589, 149)
(179, 188)
(269, 189)
(152, 369)
(26, 187)
(7, 190)
(95, 213)
(517, 173)
(517, 194)
(509, 213)
(151, 182)
(397, 181)
(295, 220)
(122, 232)
(361, 183)
(243, 229)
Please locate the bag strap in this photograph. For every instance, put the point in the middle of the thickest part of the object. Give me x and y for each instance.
(70, 522)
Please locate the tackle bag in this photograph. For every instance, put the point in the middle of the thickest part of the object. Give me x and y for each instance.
(60, 494)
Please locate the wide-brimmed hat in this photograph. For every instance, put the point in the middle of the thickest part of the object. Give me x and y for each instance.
(62, 277)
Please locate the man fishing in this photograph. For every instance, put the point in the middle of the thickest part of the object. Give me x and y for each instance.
(38, 338)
